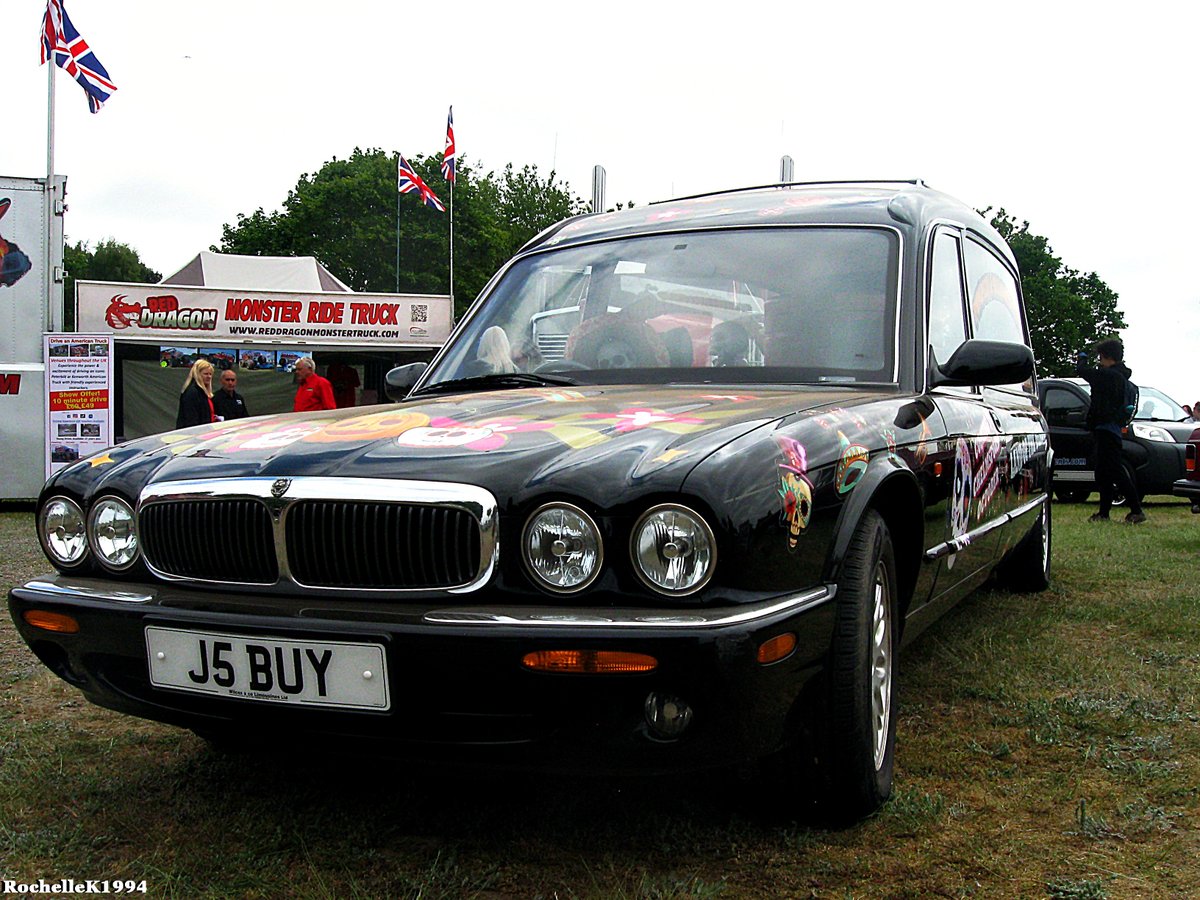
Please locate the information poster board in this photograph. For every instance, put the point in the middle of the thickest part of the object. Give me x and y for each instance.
(79, 380)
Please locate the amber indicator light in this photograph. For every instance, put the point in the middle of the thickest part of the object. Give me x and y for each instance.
(50, 621)
(589, 662)
(777, 648)
(1190, 462)
(937, 469)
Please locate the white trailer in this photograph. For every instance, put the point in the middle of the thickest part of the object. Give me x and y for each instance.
(31, 303)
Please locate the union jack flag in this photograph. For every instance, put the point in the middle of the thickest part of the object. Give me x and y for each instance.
(62, 42)
(448, 153)
(410, 181)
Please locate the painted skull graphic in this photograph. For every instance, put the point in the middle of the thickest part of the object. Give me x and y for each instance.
(794, 488)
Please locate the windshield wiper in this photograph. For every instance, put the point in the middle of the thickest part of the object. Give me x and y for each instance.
(494, 381)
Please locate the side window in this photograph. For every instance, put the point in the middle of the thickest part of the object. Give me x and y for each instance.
(995, 303)
(947, 327)
(994, 300)
(1064, 407)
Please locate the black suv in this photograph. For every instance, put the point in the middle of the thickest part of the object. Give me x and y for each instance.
(1153, 445)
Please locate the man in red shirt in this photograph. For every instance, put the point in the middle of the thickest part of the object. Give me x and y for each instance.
(314, 392)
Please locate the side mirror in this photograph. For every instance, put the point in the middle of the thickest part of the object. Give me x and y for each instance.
(983, 362)
(398, 382)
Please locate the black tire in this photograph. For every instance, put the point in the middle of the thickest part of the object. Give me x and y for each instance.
(1027, 566)
(857, 753)
(1072, 495)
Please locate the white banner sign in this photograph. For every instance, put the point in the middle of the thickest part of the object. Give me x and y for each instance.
(173, 314)
(79, 377)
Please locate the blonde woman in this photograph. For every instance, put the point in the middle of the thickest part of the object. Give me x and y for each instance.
(495, 353)
(195, 401)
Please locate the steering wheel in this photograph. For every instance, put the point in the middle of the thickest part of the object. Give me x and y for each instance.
(558, 365)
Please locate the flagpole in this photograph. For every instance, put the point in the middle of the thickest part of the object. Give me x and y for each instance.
(452, 249)
(398, 196)
(47, 241)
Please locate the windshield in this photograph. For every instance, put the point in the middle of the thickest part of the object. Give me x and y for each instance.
(1154, 404)
(813, 304)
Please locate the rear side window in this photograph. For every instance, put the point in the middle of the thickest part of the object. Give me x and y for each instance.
(1064, 407)
(995, 300)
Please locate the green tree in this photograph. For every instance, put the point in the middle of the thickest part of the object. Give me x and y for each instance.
(1068, 310)
(110, 261)
(347, 214)
(528, 205)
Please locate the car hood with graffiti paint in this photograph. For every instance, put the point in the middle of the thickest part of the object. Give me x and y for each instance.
(611, 449)
(513, 442)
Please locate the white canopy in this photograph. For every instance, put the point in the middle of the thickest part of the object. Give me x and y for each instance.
(263, 273)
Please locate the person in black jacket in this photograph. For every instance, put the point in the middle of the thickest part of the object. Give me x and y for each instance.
(1106, 416)
(227, 402)
(195, 401)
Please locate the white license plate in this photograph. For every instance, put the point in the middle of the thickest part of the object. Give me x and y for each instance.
(308, 673)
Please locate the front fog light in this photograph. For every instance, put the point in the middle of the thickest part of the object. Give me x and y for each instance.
(673, 550)
(114, 535)
(62, 531)
(562, 548)
(667, 716)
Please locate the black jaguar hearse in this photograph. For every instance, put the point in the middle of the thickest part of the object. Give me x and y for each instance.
(672, 496)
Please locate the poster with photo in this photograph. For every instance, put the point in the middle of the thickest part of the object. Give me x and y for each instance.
(79, 379)
(253, 358)
(286, 359)
(176, 357)
(222, 358)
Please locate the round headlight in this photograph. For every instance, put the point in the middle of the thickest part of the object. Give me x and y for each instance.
(562, 547)
(673, 549)
(62, 530)
(114, 533)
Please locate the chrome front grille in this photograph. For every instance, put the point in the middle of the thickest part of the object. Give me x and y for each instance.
(381, 545)
(214, 540)
(325, 534)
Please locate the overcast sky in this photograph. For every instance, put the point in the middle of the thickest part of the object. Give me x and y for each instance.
(1078, 117)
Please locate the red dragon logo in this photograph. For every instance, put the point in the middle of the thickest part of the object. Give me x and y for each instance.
(122, 315)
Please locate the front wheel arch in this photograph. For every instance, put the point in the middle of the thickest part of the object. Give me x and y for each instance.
(891, 490)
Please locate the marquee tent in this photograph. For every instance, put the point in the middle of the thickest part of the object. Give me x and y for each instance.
(263, 273)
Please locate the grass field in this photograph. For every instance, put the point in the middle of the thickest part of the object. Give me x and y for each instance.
(1049, 746)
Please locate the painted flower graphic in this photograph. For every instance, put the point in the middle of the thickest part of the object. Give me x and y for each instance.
(632, 419)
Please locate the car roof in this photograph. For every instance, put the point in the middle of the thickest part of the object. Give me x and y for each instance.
(1063, 379)
(905, 203)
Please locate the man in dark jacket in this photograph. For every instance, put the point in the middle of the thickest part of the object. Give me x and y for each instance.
(227, 402)
(1106, 416)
